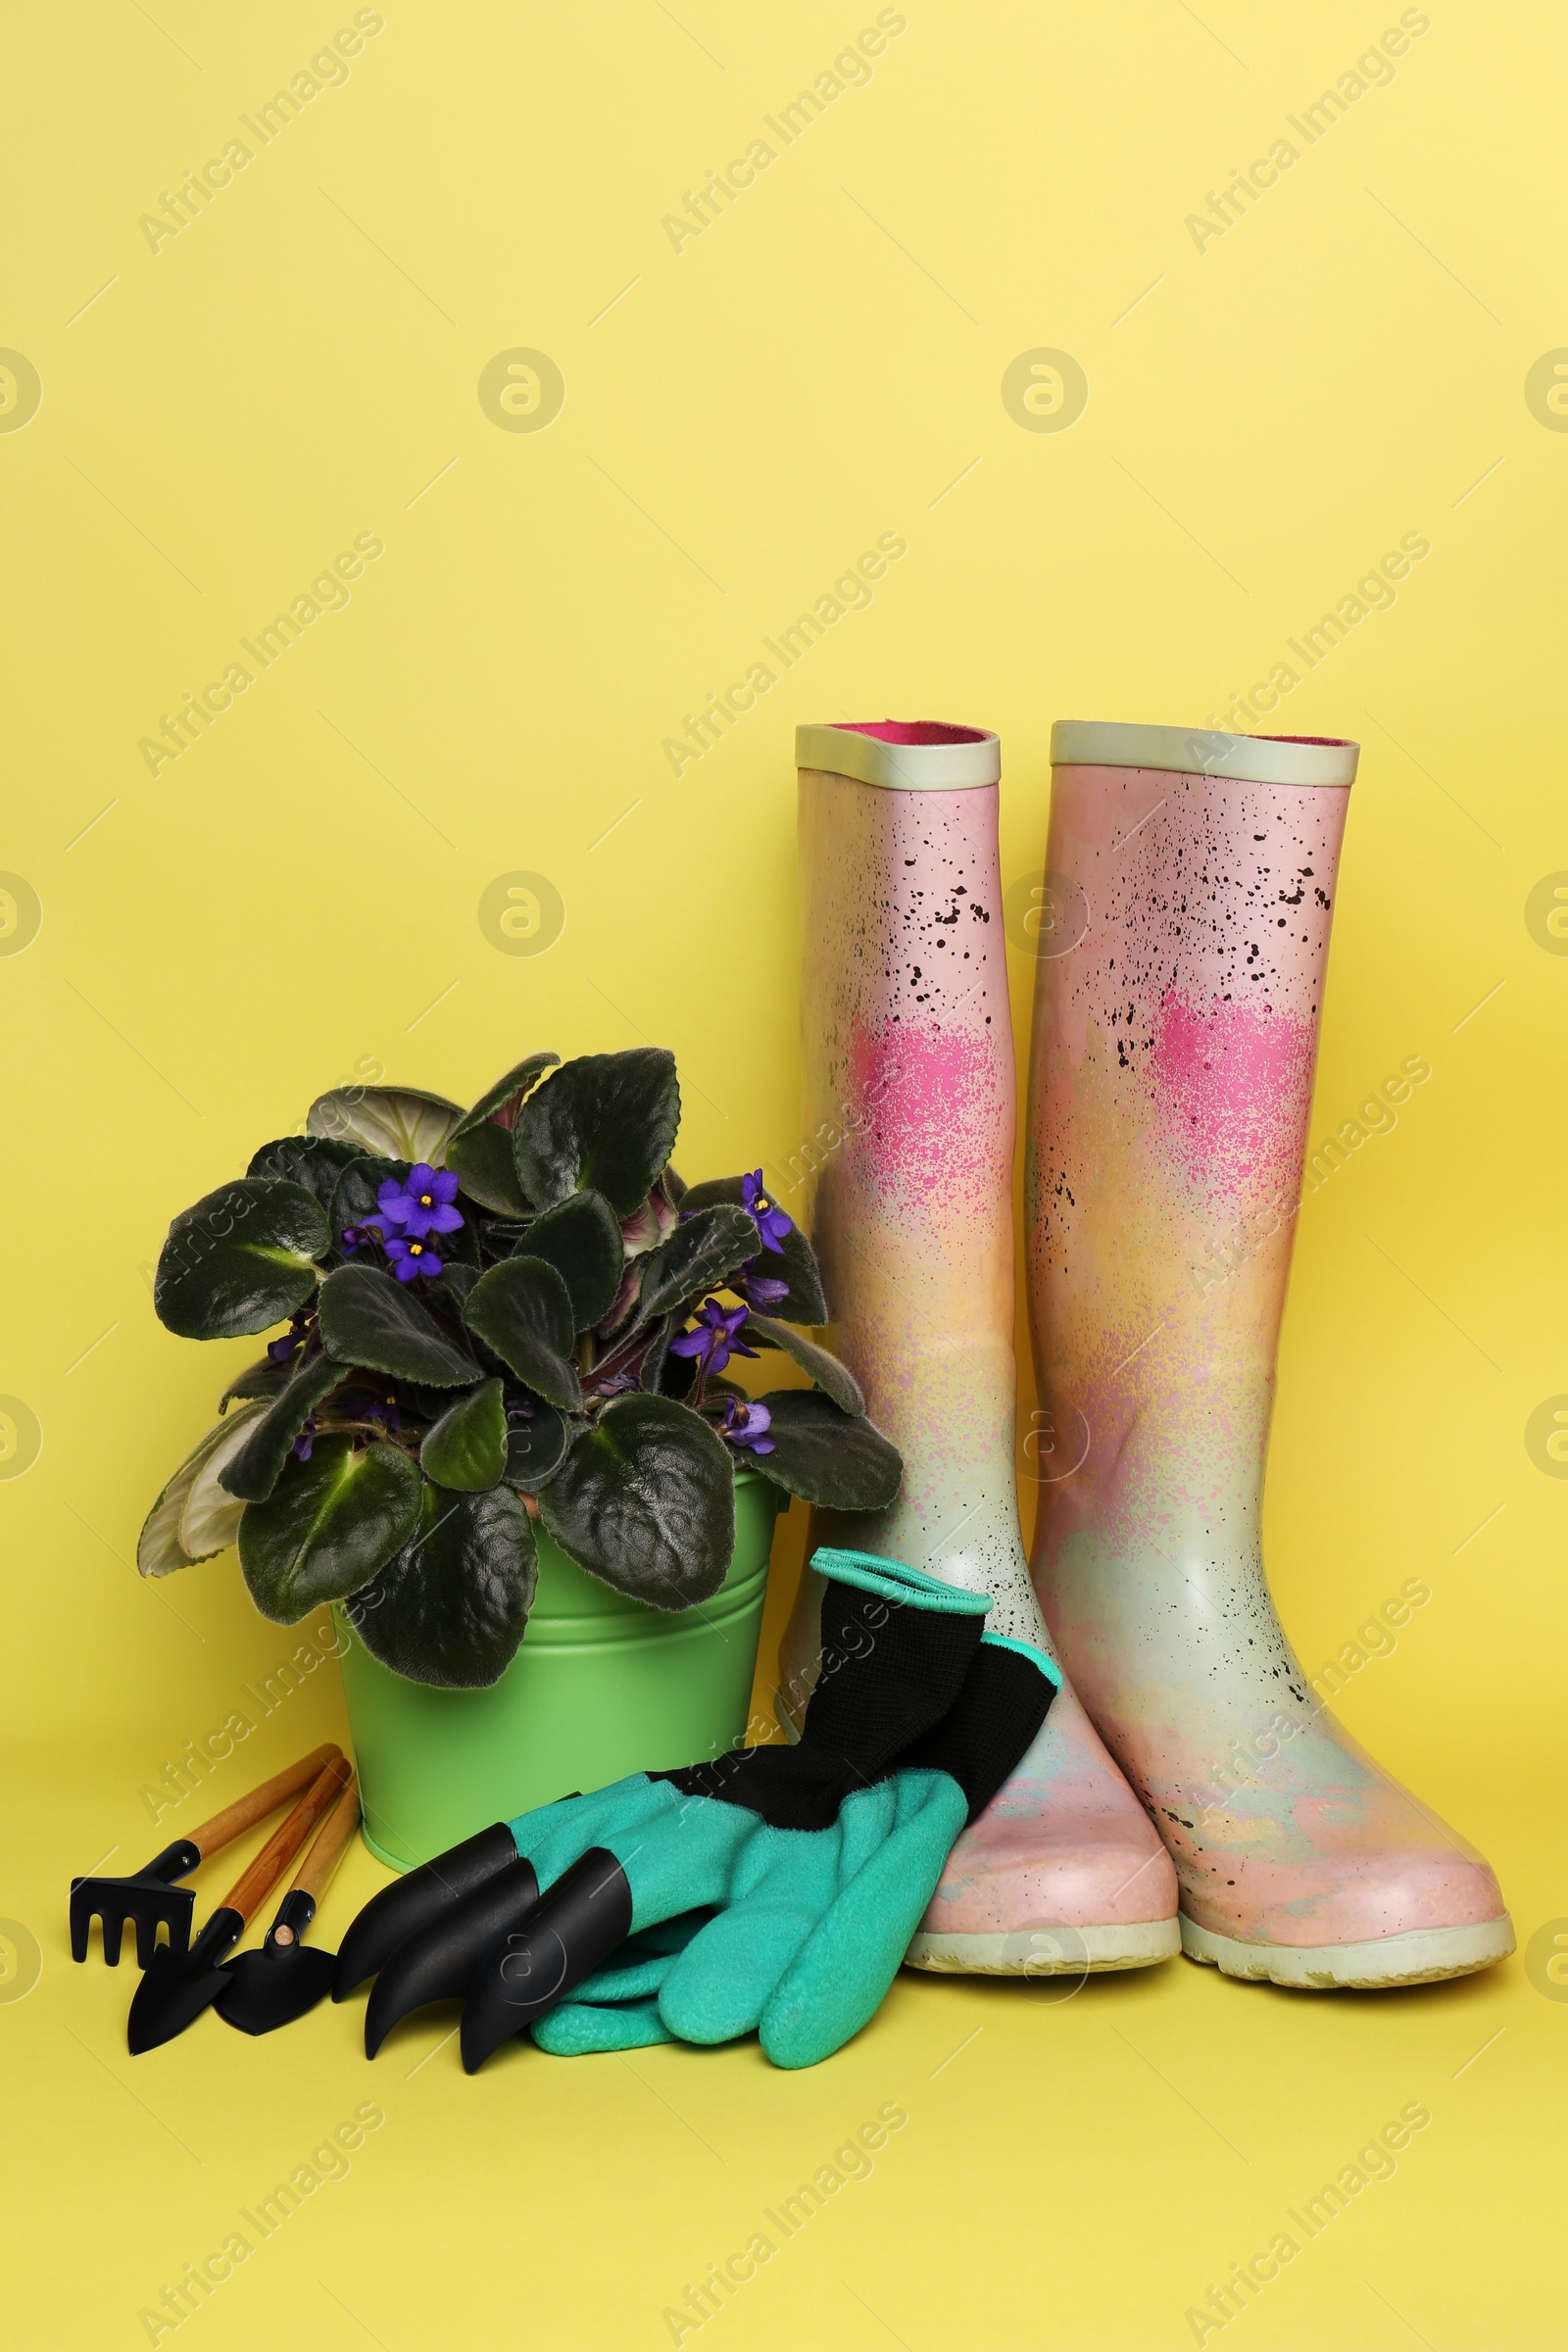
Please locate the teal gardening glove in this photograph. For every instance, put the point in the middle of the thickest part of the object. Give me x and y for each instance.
(771, 1890)
(808, 1956)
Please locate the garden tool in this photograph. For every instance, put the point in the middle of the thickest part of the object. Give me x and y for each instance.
(790, 1878)
(910, 1105)
(287, 1977)
(175, 1991)
(149, 1895)
(1172, 1081)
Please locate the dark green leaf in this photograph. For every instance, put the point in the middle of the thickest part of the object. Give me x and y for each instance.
(354, 1198)
(581, 1239)
(327, 1526)
(659, 1362)
(240, 1260)
(522, 1309)
(607, 1120)
(838, 1459)
(263, 1379)
(450, 1610)
(425, 1404)
(825, 1369)
(619, 1322)
(504, 1234)
(394, 1122)
(252, 1472)
(452, 1287)
(500, 1101)
(313, 1160)
(482, 1162)
(536, 1448)
(368, 1318)
(356, 1201)
(467, 1447)
(795, 1263)
(697, 1257)
(646, 1500)
(479, 1153)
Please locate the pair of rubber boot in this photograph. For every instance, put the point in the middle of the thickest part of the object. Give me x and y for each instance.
(1189, 1790)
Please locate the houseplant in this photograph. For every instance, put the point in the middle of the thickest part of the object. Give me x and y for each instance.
(507, 1338)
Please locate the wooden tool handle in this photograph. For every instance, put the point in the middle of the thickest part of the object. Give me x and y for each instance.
(324, 1855)
(246, 1811)
(286, 1840)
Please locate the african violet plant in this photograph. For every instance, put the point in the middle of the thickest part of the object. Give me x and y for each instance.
(513, 1312)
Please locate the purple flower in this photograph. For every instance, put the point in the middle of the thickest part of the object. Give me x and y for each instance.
(394, 1200)
(306, 1438)
(716, 1339)
(747, 1425)
(765, 1291)
(422, 1203)
(408, 1258)
(355, 1237)
(280, 1350)
(771, 1222)
(358, 1406)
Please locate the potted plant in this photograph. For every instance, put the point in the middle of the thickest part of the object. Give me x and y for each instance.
(502, 1388)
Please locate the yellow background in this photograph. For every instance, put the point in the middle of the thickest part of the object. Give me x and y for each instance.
(296, 898)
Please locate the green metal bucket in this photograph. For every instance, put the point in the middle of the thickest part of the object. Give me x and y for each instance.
(600, 1687)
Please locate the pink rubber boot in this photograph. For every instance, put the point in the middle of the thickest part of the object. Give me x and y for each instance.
(911, 1110)
(1170, 1084)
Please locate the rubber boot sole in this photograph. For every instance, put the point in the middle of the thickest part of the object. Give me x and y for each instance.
(1062, 1951)
(1425, 1956)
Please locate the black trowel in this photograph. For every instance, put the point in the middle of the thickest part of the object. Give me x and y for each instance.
(287, 1977)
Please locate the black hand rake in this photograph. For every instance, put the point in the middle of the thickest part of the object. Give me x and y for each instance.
(150, 1896)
